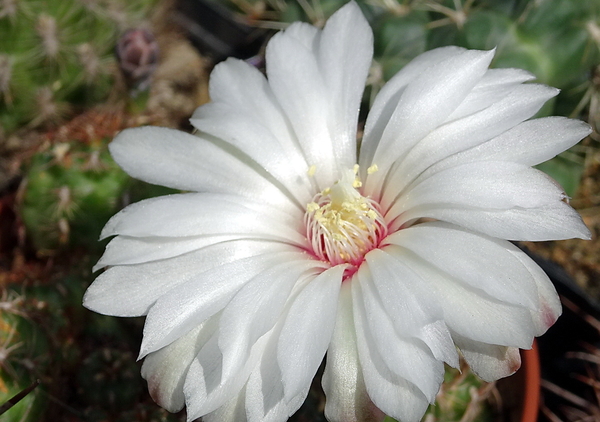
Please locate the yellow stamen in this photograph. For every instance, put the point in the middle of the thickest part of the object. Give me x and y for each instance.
(342, 225)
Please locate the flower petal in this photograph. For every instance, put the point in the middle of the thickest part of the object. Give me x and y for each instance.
(265, 397)
(406, 299)
(166, 369)
(343, 383)
(194, 214)
(425, 104)
(204, 388)
(232, 411)
(256, 308)
(179, 160)
(529, 143)
(520, 104)
(344, 54)
(402, 292)
(287, 169)
(194, 301)
(405, 356)
(491, 185)
(307, 331)
(245, 114)
(472, 313)
(125, 250)
(479, 261)
(489, 361)
(130, 290)
(549, 222)
(387, 100)
(493, 87)
(391, 393)
(549, 308)
(320, 87)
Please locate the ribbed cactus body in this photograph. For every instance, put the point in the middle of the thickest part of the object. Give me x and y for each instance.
(57, 56)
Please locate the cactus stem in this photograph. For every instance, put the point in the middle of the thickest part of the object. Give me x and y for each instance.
(47, 30)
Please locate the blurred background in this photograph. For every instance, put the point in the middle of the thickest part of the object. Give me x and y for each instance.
(73, 73)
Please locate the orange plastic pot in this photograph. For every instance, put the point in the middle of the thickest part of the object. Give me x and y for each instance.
(521, 392)
(531, 384)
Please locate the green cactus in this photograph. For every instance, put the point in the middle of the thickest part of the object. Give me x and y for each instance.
(71, 190)
(23, 359)
(463, 397)
(56, 56)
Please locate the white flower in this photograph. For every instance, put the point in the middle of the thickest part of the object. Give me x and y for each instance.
(291, 246)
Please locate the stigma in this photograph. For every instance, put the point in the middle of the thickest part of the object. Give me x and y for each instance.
(341, 224)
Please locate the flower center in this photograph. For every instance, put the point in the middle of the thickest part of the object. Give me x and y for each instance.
(341, 224)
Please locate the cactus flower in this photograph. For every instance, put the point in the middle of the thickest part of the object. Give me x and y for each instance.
(389, 255)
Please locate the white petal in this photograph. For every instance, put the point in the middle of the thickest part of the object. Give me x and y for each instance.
(306, 34)
(550, 222)
(320, 94)
(204, 388)
(494, 86)
(479, 261)
(488, 361)
(425, 104)
(387, 99)
(492, 185)
(265, 397)
(307, 331)
(194, 301)
(472, 313)
(404, 295)
(245, 114)
(194, 214)
(297, 82)
(287, 169)
(529, 143)
(166, 369)
(232, 411)
(130, 290)
(255, 309)
(549, 307)
(343, 383)
(520, 104)
(344, 53)
(437, 337)
(125, 250)
(391, 393)
(246, 91)
(179, 160)
(405, 356)
(402, 292)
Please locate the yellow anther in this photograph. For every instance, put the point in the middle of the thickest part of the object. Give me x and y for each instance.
(372, 169)
(342, 225)
(312, 207)
(311, 170)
